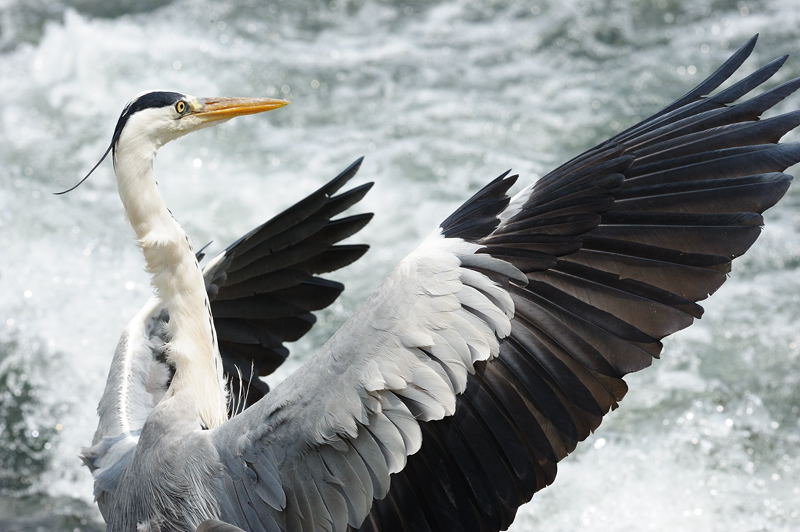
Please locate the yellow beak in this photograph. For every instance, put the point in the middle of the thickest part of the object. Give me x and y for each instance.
(222, 108)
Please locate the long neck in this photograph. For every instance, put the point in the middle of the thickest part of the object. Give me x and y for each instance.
(179, 284)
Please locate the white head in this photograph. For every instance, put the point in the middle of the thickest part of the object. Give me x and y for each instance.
(154, 118)
(159, 117)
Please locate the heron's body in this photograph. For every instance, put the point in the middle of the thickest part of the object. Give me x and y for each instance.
(448, 398)
(159, 487)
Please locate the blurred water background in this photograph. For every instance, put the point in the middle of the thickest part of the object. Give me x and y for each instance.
(440, 96)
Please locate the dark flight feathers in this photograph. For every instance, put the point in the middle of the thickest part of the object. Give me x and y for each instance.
(265, 286)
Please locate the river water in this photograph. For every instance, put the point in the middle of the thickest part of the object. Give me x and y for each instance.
(440, 97)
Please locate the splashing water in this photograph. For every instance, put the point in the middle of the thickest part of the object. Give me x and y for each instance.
(441, 97)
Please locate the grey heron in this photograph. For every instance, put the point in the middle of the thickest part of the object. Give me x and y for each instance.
(449, 397)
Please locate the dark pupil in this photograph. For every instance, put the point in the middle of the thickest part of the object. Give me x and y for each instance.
(181, 107)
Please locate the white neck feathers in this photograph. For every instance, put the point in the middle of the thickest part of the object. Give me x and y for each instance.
(177, 280)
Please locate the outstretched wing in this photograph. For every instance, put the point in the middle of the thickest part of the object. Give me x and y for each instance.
(264, 287)
(618, 245)
(495, 347)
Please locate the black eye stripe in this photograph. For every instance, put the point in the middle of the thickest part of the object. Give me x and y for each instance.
(146, 101)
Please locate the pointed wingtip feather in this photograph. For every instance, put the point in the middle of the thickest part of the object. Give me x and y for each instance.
(751, 81)
(716, 79)
(337, 182)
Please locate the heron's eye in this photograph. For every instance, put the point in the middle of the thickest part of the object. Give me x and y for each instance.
(181, 107)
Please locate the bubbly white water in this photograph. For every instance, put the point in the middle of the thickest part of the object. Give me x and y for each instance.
(440, 97)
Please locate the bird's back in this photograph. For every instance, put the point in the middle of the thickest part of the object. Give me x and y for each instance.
(168, 483)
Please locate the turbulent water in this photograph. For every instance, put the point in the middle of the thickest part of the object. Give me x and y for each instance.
(440, 97)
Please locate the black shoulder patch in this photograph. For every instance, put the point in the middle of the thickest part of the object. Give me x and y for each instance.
(145, 101)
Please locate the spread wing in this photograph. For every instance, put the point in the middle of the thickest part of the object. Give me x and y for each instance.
(265, 286)
(449, 397)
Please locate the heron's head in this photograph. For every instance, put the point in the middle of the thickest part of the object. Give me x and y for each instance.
(154, 118)
(159, 117)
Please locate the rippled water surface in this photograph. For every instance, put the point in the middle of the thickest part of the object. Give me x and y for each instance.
(440, 97)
